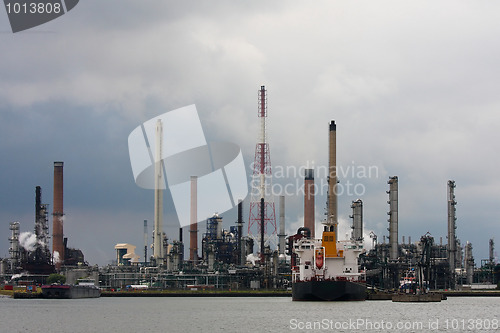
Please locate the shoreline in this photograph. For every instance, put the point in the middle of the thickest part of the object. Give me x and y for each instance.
(181, 293)
(189, 293)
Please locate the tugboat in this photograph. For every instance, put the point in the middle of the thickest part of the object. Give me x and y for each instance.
(415, 288)
(326, 269)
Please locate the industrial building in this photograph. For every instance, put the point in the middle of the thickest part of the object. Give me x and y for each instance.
(446, 266)
(30, 256)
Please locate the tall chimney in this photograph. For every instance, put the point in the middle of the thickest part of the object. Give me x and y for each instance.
(159, 184)
(309, 201)
(58, 214)
(332, 218)
(193, 228)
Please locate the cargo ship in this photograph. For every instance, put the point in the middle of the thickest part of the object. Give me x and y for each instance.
(327, 269)
(66, 291)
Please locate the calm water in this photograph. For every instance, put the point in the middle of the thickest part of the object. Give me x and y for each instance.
(252, 314)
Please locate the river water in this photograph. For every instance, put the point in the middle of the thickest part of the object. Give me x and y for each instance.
(249, 314)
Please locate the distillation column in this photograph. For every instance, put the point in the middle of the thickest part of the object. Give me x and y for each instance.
(393, 217)
(239, 224)
(282, 235)
(42, 251)
(357, 220)
(145, 242)
(452, 241)
(492, 252)
(193, 228)
(14, 246)
(469, 263)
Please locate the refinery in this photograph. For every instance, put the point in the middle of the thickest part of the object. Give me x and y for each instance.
(255, 253)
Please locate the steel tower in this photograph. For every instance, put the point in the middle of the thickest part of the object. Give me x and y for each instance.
(262, 210)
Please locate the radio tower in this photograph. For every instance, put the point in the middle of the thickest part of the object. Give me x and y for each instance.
(262, 212)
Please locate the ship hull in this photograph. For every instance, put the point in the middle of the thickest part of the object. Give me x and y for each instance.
(70, 291)
(328, 291)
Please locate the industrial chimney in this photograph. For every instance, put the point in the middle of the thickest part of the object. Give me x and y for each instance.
(309, 200)
(329, 240)
(158, 206)
(57, 216)
(332, 217)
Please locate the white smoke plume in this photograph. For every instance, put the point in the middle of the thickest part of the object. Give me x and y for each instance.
(56, 258)
(16, 276)
(252, 258)
(28, 241)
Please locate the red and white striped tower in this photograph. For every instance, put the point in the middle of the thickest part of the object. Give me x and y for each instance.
(262, 211)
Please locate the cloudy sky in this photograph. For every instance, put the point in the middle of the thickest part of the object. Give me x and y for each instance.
(411, 85)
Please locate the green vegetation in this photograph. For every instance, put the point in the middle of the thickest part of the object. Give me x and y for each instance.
(56, 278)
(7, 292)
